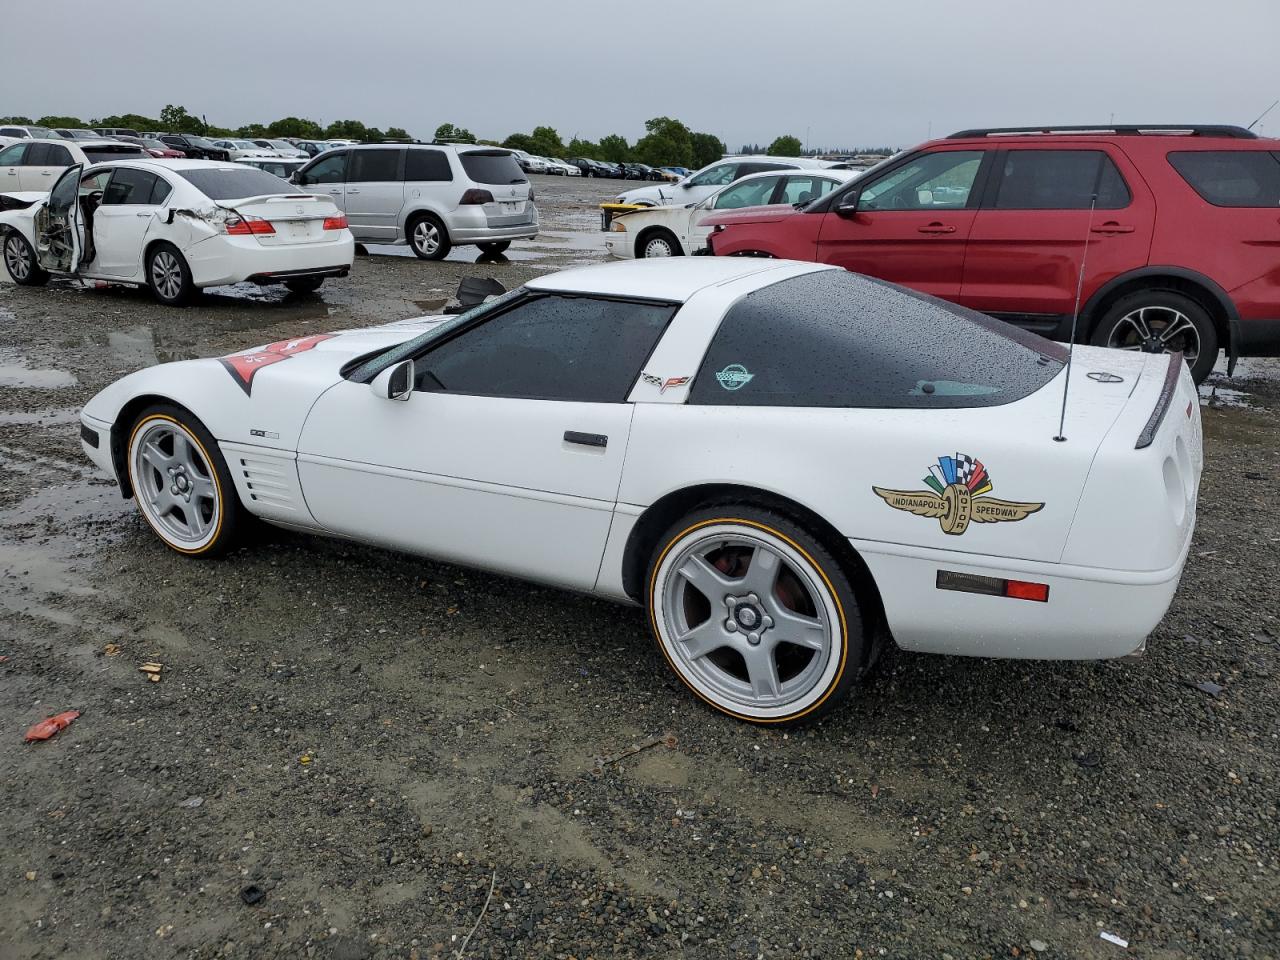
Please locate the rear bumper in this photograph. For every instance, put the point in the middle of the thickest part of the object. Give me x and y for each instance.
(526, 231)
(472, 224)
(283, 275)
(221, 260)
(1091, 613)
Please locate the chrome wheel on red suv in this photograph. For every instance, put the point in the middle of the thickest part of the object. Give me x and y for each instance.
(1160, 321)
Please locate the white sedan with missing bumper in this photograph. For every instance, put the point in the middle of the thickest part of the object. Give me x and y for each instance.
(786, 464)
(175, 226)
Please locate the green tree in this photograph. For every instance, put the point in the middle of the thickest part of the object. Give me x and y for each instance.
(583, 148)
(60, 122)
(373, 135)
(447, 131)
(519, 141)
(546, 142)
(134, 121)
(398, 133)
(707, 148)
(20, 121)
(615, 149)
(666, 142)
(176, 118)
(295, 127)
(252, 131)
(785, 146)
(346, 130)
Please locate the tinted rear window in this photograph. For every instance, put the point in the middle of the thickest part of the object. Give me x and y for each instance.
(1231, 178)
(100, 153)
(1059, 180)
(835, 339)
(235, 184)
(491, 167)
(427, 165)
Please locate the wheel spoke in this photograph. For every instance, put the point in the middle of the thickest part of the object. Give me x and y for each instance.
(796, 628)
(195, 519)
(1180, 325)
(1139, 321)
(156, 457)
(202, 489)
(707, 579)
(763, 672)
(704, 638)
(762, 573)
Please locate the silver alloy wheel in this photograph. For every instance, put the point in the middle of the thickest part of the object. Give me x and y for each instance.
(426, 237)
(1157, 330)
(658, 247)
(166, 275)
(16, 258)
(748, 621)
(174, 484)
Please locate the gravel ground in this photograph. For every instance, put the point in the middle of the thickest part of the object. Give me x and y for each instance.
(366, 745)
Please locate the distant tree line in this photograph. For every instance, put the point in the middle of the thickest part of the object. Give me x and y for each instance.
(666, 142)
(789, 146)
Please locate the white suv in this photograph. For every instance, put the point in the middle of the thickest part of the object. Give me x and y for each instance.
(703, 183)
(430, 196)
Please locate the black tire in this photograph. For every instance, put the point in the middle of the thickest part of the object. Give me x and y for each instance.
(303, 285)
(168, 275)
(228, 518)
(20, 261)
(1157, 311)
(422, 231)
(498, 246)
(809, 594)
(650, 244)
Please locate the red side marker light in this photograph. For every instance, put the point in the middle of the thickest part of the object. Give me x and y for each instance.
(1025, 590)
(993, 586)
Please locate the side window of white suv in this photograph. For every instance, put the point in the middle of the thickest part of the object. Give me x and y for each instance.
(716, 176)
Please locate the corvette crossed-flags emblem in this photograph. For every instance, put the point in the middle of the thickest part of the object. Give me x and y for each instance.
(957, 497)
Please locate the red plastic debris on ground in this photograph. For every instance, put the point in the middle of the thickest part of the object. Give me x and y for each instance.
(47, 728)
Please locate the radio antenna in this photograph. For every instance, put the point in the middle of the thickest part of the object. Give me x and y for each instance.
(1075, 320)
(1263, 114)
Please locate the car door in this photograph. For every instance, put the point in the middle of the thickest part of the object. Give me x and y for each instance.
(745, 193)
(58, 225)
(1024, 253)
(327, 175)
(509, 452)
(375, 192)
(132, 204)
(11, 158)
(44, 162)
(910, 223)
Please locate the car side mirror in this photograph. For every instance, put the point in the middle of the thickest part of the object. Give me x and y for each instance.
(847, 206)
(299, 178)
(395, 382)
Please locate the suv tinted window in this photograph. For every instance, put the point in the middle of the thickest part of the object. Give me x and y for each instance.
(1059, 180)
(550, 348)
(48, 155)
(235, 184)
(129, 186)
(114, 152)
(491, 166)
(1231, 178)
(427, 165)
(745, 169)
(835, 339)
(374, 166)
(11, 156)
(328, 169)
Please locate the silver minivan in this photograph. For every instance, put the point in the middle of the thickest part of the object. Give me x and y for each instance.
(431, 196)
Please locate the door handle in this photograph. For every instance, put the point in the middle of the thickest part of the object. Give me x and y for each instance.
(1112, 227)
(350, 191)
(46, 173)
(335, 192)
(586, 439)
(936, 228)
(142, 214)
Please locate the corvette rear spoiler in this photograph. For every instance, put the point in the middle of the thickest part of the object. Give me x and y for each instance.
(1167, 391)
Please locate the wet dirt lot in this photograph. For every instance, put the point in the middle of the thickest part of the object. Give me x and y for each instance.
(362, 743)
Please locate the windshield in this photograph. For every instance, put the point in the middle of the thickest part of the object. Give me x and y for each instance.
(282, 144)
(218, 183)
(375, 365)
(492, 166)
(44, 133)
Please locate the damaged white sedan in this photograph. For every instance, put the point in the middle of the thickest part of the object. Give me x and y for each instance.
(175, 226)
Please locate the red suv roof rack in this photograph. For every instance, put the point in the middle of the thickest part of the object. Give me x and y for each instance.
(1183, 129)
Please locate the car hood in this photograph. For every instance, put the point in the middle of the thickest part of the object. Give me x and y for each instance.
(768, 214)
(661, 194)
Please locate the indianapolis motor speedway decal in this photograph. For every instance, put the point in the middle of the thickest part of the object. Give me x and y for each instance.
(958, 495)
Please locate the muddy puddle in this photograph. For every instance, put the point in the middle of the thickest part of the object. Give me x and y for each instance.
(16, 371)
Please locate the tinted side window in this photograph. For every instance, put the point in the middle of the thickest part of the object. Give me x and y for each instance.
(427, 165)
(129, 186)
(748, 168)
(1231, 178)
(330, 169)
(748, 193)
(550, 348)
(160, 191)
(928, 181)
(798, 189)
(48, 155)
(374, 166)
(716, 176)
(835, 339)
(11, 156)
(1059, 180)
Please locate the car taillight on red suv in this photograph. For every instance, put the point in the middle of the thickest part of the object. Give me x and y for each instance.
(476, 197)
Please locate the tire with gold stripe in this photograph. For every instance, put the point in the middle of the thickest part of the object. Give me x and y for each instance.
(755, 615)
(181, 482)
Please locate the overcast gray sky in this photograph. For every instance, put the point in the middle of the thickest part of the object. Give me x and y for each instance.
(747, 70)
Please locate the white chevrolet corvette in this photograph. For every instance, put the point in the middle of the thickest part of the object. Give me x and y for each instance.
(785, 463)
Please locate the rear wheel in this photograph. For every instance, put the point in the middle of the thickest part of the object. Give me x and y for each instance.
(181, 482)
(20, 261)
(755, 615)
(498, 246)
(1161, 321)
(169, 276)
(658, 243)
(428, 238)
(305, 284)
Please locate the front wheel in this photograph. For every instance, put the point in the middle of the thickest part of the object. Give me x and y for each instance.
(20, 261)
(429, 239)
(658, 243)
(169, 276)
(181, 482)
(498, 246)
(304, 284)
(1161, 321)
(755, 615)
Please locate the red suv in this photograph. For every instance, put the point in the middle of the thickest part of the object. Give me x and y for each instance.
(1179, 228)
